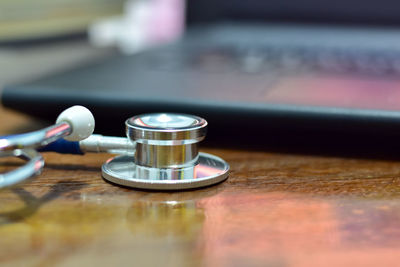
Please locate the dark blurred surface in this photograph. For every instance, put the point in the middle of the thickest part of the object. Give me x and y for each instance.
(356, 12)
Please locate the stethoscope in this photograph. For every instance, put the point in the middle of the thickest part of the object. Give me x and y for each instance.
(159, 153)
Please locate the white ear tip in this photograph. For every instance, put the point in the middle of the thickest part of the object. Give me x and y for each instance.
(81, 121)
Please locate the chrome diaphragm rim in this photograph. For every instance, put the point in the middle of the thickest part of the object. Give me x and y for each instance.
(209, 170)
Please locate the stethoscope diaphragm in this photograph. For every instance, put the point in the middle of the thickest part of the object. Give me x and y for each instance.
(166, 156)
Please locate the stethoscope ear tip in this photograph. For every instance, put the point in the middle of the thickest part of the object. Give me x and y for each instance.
(81, 121)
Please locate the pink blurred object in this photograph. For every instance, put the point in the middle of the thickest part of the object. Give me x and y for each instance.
(167, 20)
(145, 23)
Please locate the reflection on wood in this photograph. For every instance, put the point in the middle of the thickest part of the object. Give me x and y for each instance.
(292, 230)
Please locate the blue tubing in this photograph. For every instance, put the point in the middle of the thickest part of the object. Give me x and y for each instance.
(63, 146)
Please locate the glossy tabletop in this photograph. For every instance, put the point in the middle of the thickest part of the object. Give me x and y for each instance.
(274, 210)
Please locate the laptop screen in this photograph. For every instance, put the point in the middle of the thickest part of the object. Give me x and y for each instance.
(373, 12)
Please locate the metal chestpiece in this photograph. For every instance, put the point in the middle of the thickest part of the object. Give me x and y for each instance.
(167, 155)
(166, 140)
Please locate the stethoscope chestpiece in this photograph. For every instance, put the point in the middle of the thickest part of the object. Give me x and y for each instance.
(166, 156)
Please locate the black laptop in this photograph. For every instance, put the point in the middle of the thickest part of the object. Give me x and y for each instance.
(256, 70)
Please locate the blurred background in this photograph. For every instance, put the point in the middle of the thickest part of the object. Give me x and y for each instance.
(42, 36)
(258, 54)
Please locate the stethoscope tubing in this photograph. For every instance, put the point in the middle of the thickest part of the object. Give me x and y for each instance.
(35, 162)
(35, 139)
(76, 121)
(33, 167)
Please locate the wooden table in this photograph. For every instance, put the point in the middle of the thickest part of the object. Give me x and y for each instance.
(274, 210)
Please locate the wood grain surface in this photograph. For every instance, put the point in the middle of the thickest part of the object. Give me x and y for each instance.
(274, 210)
